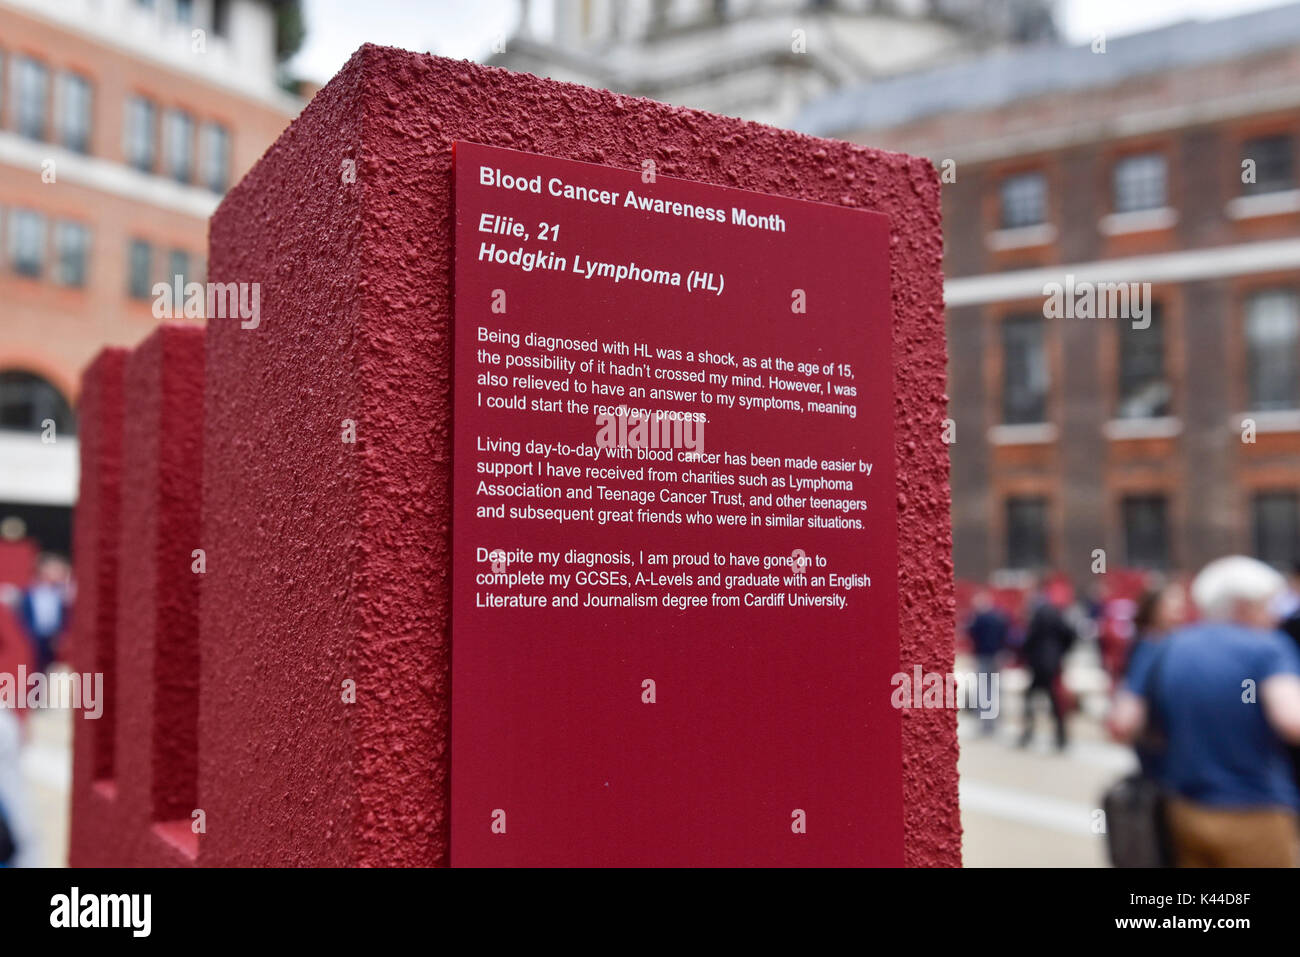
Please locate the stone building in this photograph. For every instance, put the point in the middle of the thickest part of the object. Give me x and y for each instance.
(761, 59)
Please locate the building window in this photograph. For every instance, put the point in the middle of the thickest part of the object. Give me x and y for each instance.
(74, 97)
(1027, 533)
(1140, 183)
(31, 89)
(141, 134)
(1277, 528)
(178, 264)
(27, 242)
(1146, 531)
(215, 146)
(1023, 200)
(27, 400)
(71, 253)
(1024, 371)
(1272, 350)
(178, 134)
(1144, 391)
(185, 11)
(140, 269)
(1273, 159)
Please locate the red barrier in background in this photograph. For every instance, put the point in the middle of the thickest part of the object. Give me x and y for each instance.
(17, 563)
(93, 640)
(328, 561)
(136, 810)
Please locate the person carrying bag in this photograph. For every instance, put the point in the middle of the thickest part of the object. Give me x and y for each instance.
(1136, 807)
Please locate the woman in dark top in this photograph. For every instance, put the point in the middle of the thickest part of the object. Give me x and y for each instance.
(1159, 612)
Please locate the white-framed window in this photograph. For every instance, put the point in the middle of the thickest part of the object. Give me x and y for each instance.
(214, 157)
(1274, 159)
(1273, 350)
(139, 266)
(1022, 200)
(1140, 182)
(178, 264)
(1144, 389)
(71, 253)
(1025, 375)
(178, 136)
(1026, 532)
(31, 97)
(27, 242)
(74, 97)
(140, 136)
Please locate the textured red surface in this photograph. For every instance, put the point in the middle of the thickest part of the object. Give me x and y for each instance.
(93, 840)
(155, 667)
(158, 593)
(291, 607)
(329, 561)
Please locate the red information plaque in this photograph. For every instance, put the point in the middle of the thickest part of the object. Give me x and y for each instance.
(675, 592)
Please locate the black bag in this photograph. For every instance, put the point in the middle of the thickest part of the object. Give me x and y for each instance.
(1137, 830)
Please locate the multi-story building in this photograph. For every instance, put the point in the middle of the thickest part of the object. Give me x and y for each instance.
(1167, 157)
(760, 59)
(121, 124)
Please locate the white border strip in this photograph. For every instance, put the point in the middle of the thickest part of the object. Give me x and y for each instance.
(1242, 259)
(108, 177)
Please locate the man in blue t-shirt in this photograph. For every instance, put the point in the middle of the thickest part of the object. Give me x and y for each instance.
(1225, 694)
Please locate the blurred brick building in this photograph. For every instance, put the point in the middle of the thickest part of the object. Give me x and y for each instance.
(121, 124)
(1169, 158)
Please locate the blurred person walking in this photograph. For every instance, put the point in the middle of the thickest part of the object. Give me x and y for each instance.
(1225, 695)
(1159, 612)
(17, 839)
(987, 629)
(1047, 640)
(43, 609)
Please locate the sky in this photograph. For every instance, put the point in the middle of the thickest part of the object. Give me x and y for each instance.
(468, 28)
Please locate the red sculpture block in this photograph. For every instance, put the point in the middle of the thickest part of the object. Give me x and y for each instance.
(93, 645)
(328, 560)
(138, 809)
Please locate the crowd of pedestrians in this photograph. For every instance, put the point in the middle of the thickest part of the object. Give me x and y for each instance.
(33, 619)
(1206, 690)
